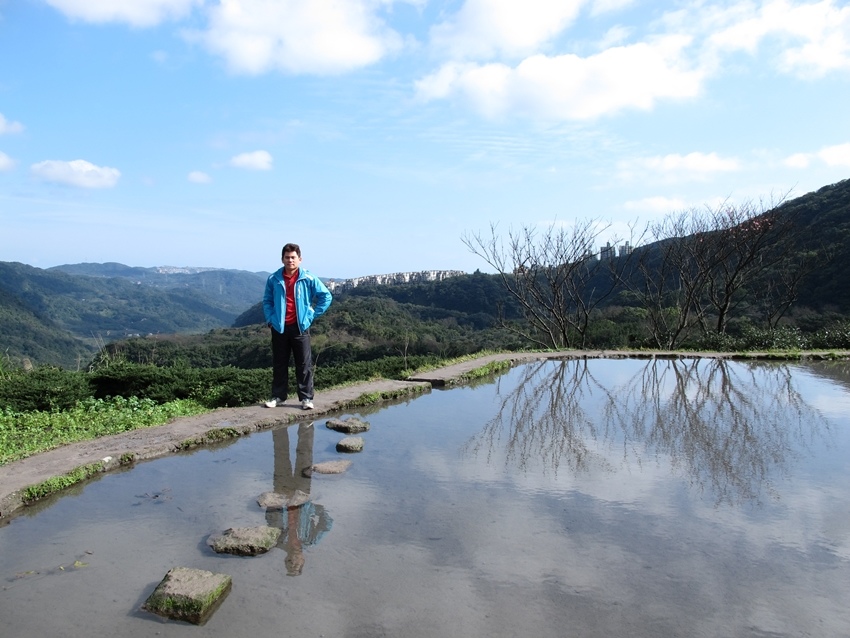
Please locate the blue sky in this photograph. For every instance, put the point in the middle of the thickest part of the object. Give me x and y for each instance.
(376, 133)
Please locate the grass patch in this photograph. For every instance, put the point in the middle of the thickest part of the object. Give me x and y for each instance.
(23, 434)
(494, 367)
(211, 436)
(59, 483)
(370, 398)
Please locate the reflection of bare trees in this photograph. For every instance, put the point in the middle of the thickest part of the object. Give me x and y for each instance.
(544, 418)
(729, 427)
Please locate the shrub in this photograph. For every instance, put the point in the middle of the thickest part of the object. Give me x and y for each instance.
(45, 388)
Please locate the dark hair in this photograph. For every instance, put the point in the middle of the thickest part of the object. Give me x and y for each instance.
(290, 248)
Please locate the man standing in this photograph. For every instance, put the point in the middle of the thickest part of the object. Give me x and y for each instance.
(293, 299)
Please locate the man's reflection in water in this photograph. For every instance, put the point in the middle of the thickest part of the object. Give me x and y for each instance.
(302, 521)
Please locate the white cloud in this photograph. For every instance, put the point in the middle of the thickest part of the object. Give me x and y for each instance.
(7, 126)
(656, 205)
(798, 160)
(485, 28)
(837, 155)
(676, 167)
(138, 13)
(255, 161)
(569, 87)
(297, 36)
(6, 162)
(615, 36)
(813, 37)
(76, 173)
(599, 7)
(199, 177)
(691, 163)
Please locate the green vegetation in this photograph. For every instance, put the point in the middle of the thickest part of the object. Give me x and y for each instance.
(370, 398)
(48, 407)
(215, 435)
(58, 483)
(23, 434)
(494, 367)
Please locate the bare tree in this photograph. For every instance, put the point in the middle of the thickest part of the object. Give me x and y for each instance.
(702, 262)
(748, 241)
(668, 276)
(553, 275)
(777, 290)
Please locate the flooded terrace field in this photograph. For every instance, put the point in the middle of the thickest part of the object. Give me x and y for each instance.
(562, 498)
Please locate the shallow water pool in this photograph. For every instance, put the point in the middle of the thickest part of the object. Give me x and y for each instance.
(577, 498)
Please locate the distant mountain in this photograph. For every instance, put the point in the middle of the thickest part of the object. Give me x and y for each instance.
(232, 290)
(51, 316)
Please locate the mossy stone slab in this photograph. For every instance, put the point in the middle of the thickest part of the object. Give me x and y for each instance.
(188, 594)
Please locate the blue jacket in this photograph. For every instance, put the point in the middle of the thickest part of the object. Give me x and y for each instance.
(312, 299)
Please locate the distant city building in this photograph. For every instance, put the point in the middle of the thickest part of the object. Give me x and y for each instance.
(607, 252)
(626, 250)
(341, 285)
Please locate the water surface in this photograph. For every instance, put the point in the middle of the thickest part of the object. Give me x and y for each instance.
(578, 498)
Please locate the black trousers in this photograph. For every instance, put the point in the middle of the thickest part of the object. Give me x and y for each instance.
(291, 343)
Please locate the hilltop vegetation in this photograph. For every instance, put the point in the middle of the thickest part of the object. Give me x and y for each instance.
(203, 317)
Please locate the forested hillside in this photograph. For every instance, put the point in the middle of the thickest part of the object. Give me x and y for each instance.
(824, 219)
(356, 328)
(214, 317)
(229, 290)
(25, 334)
(50, 316)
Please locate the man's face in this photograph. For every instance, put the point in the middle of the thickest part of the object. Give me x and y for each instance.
(291, 261)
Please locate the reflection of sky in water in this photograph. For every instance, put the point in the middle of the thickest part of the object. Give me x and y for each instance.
(459, 518)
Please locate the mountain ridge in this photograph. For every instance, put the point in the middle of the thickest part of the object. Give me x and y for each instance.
(60, 314)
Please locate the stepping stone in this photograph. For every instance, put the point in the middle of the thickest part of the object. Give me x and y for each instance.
(350, 444)
(328, 467)
(188, 594)
(347, 426)
(277, 501)
(245, 541)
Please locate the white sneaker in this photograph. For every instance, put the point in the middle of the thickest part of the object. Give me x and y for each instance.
(272, 403)
(306, 404)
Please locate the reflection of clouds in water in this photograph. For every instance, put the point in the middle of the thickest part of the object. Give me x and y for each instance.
(636, 546)
(832, 405)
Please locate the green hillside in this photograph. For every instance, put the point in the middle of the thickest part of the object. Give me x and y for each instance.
(25, 334)
(229, 290)
(214, 316)
(824, 219)
(51, 316)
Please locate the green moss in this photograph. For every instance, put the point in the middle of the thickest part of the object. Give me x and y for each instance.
(167, 599)
(490, 369)
(59, 483)
(219, 434)
(370, 398)
(210, 436)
